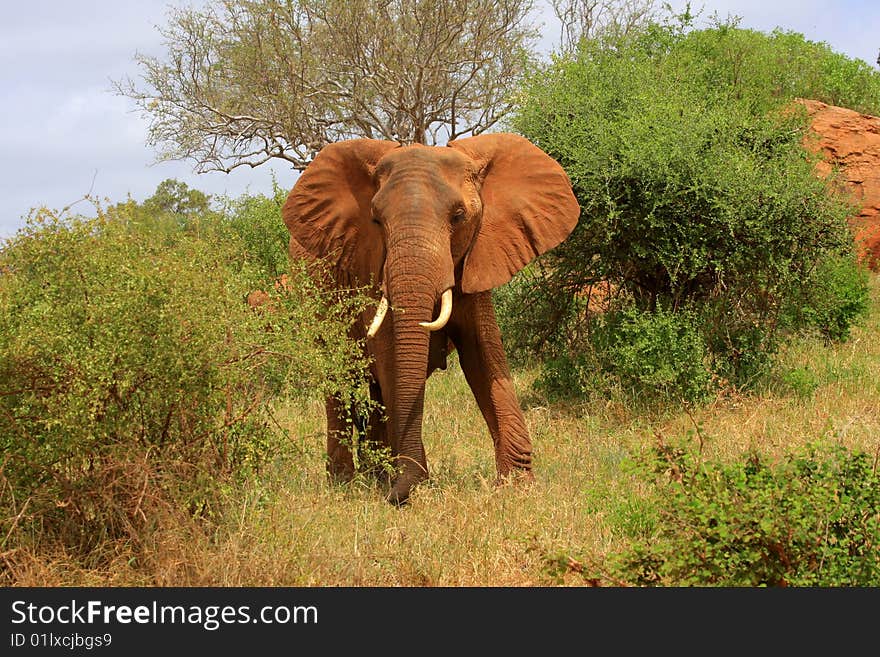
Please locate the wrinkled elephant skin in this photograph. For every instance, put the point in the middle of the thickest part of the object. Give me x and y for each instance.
(414, 223)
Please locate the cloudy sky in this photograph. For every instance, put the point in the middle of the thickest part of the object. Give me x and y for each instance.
(64, 133)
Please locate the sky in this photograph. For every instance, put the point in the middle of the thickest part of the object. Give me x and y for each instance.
(64, 133)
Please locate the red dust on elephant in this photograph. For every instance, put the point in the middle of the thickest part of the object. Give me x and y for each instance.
(431, 230)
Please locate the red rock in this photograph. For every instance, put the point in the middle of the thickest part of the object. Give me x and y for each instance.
(851, 141)
(257, 299)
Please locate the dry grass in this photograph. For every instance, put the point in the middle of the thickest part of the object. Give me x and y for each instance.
(460, 530)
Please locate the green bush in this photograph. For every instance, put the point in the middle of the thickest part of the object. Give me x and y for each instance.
(175, 198)
(256, 221)
(532, 321)
(812, 519)
(834, 299)
(766, 68)
(801, 381)
(685, 153)
(645, 354)
(134, 378)
(654, 351)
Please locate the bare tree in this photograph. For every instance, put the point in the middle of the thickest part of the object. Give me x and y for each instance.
(590, 18)
(245, 81)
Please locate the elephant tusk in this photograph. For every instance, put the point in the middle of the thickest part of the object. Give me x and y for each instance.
(445, 312)
(378, 319)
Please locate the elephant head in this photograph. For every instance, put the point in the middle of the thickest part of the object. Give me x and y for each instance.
(427, 226)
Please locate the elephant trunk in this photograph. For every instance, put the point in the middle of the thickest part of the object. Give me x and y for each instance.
(414, 289)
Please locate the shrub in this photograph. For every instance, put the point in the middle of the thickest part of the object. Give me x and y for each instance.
(766, 68)
(648, 355)
(134, 378)
(532, 321)
(812, 519)
(834, 299)
(256, 221)
(657, 351)
(686, 156)
(177, 199)
(801, 381)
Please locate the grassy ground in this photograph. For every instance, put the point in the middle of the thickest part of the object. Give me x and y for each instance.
(460, 530)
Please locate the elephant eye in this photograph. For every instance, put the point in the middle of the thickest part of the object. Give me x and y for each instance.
(458, 214)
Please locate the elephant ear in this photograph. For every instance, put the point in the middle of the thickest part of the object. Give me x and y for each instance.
(528, 208)
(328, 210)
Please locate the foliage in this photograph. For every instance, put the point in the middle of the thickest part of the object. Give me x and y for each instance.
(765, 69)
(834, 299)
(812, 519)
(175, 197)
(247, 81)
(287, 528)
(256, 221)
(531, 320)
(801, 381)
(658, 354)
(698, 197)
(134, 378)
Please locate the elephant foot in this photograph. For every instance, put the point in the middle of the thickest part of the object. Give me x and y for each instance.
(403, 486)
(382, 478)
(516, 477)
(400, 492)
(397, 497)
(339, 473)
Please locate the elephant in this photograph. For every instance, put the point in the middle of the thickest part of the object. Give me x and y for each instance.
(429, 231)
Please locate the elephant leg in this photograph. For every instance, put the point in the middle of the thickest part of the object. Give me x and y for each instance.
(340, 463)
(375, 438)
(343, 457)
(481, 355)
